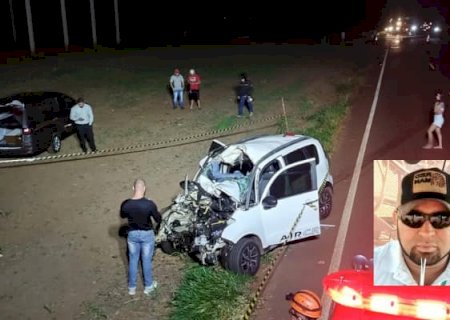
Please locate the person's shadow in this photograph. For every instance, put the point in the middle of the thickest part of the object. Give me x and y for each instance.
(169, 92)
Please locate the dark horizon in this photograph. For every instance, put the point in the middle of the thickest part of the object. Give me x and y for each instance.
(142, 27)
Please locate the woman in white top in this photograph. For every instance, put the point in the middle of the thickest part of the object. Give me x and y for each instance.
(438, 121)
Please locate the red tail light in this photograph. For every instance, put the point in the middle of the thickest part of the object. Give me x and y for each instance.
(27, 131)
(354, 290)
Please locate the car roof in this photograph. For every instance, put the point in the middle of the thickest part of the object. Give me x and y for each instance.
(30, 96)
(258, 147)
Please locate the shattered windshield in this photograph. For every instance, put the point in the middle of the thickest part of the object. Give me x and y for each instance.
(227, 172)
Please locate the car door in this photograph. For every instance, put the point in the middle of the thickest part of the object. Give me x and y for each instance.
(290, 203)
(65, 104)
(46, 122)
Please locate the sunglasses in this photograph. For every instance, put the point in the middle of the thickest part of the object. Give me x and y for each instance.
(416, 219)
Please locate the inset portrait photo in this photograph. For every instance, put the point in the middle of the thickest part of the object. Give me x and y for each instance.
(411, 222)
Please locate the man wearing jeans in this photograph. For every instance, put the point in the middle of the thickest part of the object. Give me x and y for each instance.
(244, 95)
(141, 237)
(177, 84)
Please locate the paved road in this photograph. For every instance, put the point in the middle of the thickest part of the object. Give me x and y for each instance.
(400, 120)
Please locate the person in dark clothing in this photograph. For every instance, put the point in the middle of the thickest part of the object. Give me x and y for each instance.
(141, 237)
(244, 95)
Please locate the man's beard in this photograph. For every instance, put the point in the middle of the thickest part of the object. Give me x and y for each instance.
(432, 257)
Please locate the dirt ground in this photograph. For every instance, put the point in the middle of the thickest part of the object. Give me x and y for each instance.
(61, 253)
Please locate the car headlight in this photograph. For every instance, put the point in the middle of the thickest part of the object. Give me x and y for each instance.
(436, 29)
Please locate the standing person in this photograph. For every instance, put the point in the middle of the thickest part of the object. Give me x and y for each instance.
(177, 84)
(244, 92)
(305, 305)
(82, 115)
(420, 254)
(194, 81)
(438, 121)
(141, 237)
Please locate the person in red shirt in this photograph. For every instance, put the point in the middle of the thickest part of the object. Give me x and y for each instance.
(194, 81)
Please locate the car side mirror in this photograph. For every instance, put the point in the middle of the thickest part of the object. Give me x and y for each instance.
(269, 202)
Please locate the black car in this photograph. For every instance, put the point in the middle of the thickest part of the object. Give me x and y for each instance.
(33, 122)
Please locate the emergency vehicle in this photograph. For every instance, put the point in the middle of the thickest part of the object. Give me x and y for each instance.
(355, 297)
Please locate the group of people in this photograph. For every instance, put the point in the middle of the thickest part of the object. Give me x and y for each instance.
(244, 91)
(177, 85)
(82, 116)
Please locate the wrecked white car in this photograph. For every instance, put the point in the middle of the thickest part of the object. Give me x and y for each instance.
(247, 198)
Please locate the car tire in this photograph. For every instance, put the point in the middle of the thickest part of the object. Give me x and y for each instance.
(244, 257)
(325, 202)
(55, 145)
(167, 247)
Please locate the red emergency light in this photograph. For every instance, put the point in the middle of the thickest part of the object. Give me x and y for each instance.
(357, 298)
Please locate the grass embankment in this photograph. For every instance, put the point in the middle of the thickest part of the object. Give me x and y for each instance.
(210, 293)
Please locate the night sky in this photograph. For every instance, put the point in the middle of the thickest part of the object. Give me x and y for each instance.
(175, 23)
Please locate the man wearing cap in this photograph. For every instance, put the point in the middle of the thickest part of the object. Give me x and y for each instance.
(176, 81)
(420, 254)
(194, 81)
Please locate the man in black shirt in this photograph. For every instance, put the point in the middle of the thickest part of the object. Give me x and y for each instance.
(141, 237)
(244, 95)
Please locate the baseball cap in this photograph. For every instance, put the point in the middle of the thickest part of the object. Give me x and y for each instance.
(431, 183)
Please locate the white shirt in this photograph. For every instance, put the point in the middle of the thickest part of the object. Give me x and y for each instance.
(85, 113)
(390, 267)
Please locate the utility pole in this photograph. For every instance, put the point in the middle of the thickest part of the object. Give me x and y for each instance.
(116, 16)
(11, 11)
(64, 22)
(30, 27)
(94, 30)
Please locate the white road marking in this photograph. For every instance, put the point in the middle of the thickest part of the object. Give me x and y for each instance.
(17, 160)
(327, 225)
(342, 233)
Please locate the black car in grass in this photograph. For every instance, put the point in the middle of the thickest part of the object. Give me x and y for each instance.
(33, 122)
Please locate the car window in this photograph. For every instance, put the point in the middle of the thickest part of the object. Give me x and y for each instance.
(65, 103)
(293, 181)
(11, 117)
(267, 172)
(50, 108)
(35, 114)
(303, 153)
